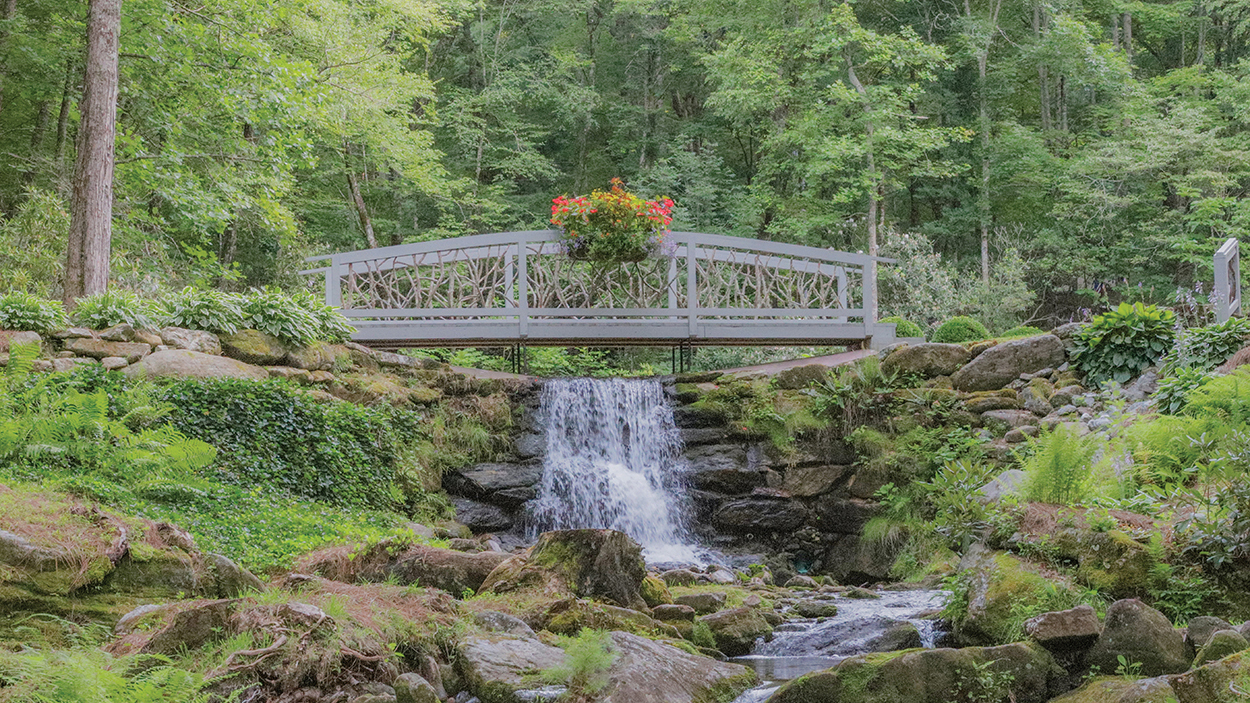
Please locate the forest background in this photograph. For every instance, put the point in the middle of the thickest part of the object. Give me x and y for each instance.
(1026, 160)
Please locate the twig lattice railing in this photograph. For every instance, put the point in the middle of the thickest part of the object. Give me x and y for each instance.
(519, 288)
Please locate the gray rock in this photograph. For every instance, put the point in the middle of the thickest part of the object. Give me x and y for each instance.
(927, 360)
(395, 361)
(672, 612)
(494, 621)
(1221, 644)
(495, 666)
(801, 581)
(1020, 434)
(811, 481)
(1142, 635)
(1143, 386)
(125, 332)
(1065, 630)
(760, 514)
(645, 671)
(722, 576)
(680, 577)
(1066, 332)
(412, 688)
(231, 580)
(68, 365)
(701, 603)
(131, 619)
(999, 365)
(11, 339)
(846, 517)
(114, 363)
(18, 551)
(815, 609)
(722, 468)
(481, 517)
(99, 349)
(735, 630)
(183, 363)
(192, 340)
(1008, 483)
(73, 333)
(480, 481)
(530, 445)
(1200, 629)
(254, 347)
(841, 638)
(317, 356)
(1002, 421)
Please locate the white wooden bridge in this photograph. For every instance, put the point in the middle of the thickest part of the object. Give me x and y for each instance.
(519, 289)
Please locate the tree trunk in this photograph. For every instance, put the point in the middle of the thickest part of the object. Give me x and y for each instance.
(1063, 104)
(366, 224)
(62, 116)
(10, 11)
(1202, 34)
(36, 143)
(91, 206)
(983, 197)
(1128, 35)
(1043, 79)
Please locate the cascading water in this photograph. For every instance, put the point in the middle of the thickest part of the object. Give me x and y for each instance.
(612, 461)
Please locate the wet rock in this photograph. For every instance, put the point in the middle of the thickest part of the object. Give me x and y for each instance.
(855, 592)
(760, 514)
(927, 360)
(653, 672)
(1142, 635)
(483, 480)
(1065, 630)
(99, 349)
(1005, 361)
(481, 517)
(254, 347)
(1028, 674)
(846, 516)
(722, 468)
(815, 609)
(182, 363)
(851, 559)
(840, 638)
(811, 481)
(1220, 645)
(735, 630)
(702, 603)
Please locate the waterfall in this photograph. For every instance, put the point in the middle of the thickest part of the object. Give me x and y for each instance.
(612, 461)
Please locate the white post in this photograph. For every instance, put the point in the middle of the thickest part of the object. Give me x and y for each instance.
(523, 288)
(334, 283)
(1227, 280)
(692, 291)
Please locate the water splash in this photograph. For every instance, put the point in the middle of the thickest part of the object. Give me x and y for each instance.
(612, 461)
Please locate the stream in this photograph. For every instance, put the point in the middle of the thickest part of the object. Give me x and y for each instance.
(804, 645)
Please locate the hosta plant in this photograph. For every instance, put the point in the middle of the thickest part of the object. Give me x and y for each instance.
(1207, 347)
(24, 312)
(332, 326)
(114, 307)
(277, 314)
(1119, 344)
(204, 309)
(612, 226)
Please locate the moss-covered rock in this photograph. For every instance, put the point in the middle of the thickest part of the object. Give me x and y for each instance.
(254, 347)
(1141, 635)
(1119, 690)
(926, 360)
(655, 592)
(997, 584)
(1221, 644)
(735, 630)
(601, 564)
(572, 615)
(1111, 562)
(1024, 672)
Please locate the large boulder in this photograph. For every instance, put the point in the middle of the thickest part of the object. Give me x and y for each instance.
(722, 468)
(927, 360)
(703, 601)
(1221, 644)
(1215, 681)
(760, 514)
(996, 584)
(1024, 673)
(851, 559)
(317, 356)
(847, 516)
(254, 347)
(1004, 362)
(1065, 630)
(811, 481)
(10, 338)
(600, 564)
(1142, 635)
(183, 363)
(841, 638)
(495, 667)
(653, 672)
(481, 517)
(100, 349)
(192, 340)
(1199, 630)
(506, 484)
(445, 569)
(735, 630)
(1119, 690)
(801, 377)
(572, 615)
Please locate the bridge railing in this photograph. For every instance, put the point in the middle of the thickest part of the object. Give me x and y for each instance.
(521, 285)
(1228, 280)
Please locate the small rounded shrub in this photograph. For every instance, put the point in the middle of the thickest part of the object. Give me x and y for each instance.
(1119, 344)
(22, 312)
(1022, 331)
(208, 310)
(275, 313)
(332, 326)
(114, 307)
(960, 329)
(904, 328)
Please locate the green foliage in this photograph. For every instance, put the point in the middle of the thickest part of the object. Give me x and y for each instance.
(31, 243)
(1059, 471)
(958, 330)
(24, 312)
(1025, 331)
(982, 684)
(856, 395)
(204, 309)
(904, 328)
(702, 636)
(92, 676)
(114, 307)
(332, 326)
(270, 433)
(588, 656)
(1174, 389)
(1119, 344)
(273, 312)
(1204, 348)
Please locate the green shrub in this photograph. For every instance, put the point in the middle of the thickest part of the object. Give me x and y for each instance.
(588, 656)
(24, 312)
(1060, 468)
(204, 309)
(114, 307)
(270, 433)
(904, 328)
(275, 313)
(1205, 348)
(1226, 398)
(958, 330)
(1022, 331)
(332, 326)
(1119, 344)
(1174, 390)
(87, 676)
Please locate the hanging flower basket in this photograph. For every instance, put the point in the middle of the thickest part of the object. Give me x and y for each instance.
(613, 226)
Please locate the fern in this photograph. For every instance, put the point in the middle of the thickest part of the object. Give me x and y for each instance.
(1059, 470)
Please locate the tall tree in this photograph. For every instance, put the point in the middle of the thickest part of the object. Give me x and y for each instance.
(91, 209)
